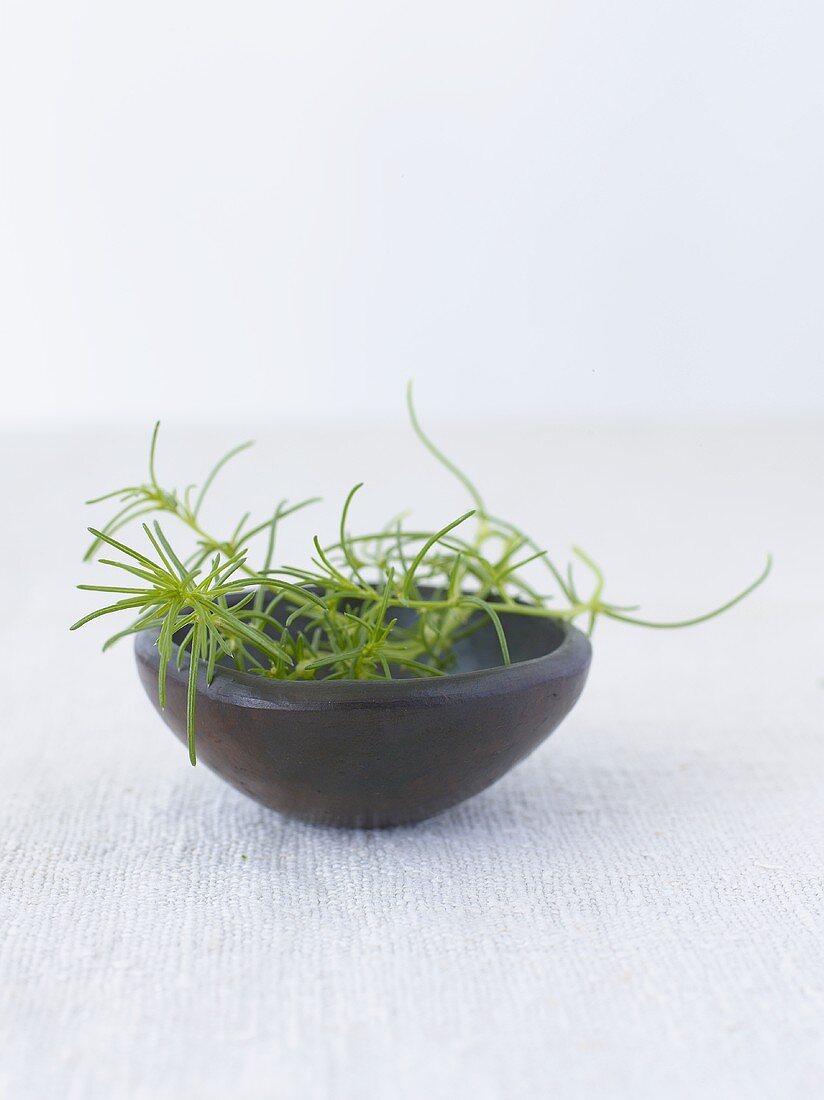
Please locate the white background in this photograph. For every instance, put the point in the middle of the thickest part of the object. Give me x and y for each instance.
(564, 208)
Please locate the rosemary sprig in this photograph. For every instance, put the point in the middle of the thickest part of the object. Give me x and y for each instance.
(372, 606)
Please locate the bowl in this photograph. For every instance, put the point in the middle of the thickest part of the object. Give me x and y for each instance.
(368, 754)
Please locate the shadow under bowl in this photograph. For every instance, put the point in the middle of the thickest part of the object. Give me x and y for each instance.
(368, 754)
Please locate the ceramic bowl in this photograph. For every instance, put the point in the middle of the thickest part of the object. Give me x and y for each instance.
(368, 754)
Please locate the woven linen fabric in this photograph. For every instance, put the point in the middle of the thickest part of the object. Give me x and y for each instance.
(635, 911)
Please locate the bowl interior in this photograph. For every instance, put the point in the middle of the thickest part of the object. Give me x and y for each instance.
(527, 638)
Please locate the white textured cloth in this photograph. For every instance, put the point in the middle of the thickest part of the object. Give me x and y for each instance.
(635, 911)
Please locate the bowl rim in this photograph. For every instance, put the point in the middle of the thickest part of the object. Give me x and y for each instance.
(571, 657)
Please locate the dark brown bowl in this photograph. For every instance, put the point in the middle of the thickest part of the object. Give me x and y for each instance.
(377, 753)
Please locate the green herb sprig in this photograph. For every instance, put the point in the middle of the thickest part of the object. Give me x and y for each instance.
(337, 617)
